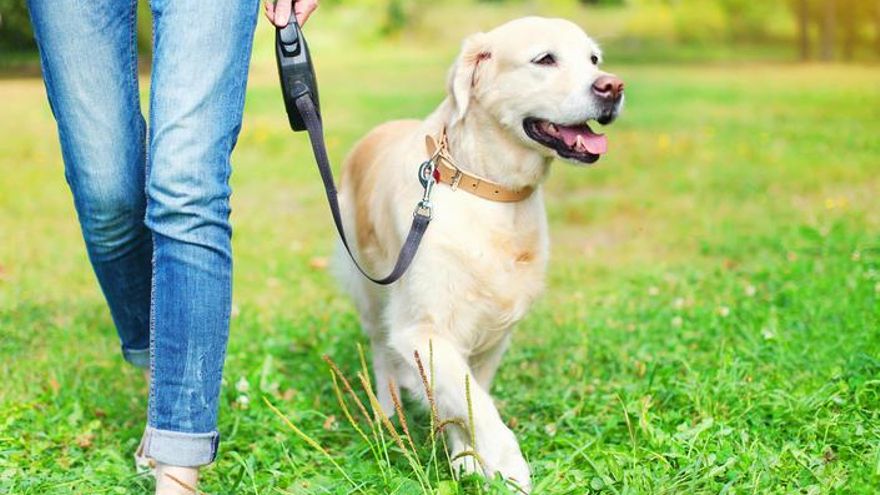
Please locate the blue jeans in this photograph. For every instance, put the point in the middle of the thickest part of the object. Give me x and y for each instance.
(154, 209)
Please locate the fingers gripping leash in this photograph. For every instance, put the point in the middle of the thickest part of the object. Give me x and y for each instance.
(300, 91)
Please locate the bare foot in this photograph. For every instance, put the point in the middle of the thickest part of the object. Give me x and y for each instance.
(175, 480)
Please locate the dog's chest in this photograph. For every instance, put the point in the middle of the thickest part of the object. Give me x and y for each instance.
(508, 286)
(500, 267)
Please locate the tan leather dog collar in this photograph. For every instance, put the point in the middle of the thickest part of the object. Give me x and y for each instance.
(452, 175)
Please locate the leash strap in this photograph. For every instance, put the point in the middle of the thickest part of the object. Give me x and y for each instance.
(421, 216)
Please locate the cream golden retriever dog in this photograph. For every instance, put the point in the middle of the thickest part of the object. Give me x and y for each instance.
(519, 97)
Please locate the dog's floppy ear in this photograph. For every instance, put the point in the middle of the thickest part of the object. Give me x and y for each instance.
(464, 75)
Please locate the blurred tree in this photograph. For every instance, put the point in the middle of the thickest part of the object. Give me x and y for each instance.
(700, 22)
(16, 32)
(876, 17)
(602, 2)
(395, 17)
(827, 29)
(823, 28)
(849, 22)
(747, 19)
(841, 26)
(401, 14)
(15, 26)
(802, 13)
(856, 17)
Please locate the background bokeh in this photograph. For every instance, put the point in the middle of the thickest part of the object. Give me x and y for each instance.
(637, 30)
(712, 315)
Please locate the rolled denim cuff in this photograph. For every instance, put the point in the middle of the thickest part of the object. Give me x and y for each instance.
(181, 449)
(139, 358)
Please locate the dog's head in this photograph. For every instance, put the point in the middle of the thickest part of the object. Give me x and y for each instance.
(539, 79)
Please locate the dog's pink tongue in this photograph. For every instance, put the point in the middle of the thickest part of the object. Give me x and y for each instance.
(584, 139)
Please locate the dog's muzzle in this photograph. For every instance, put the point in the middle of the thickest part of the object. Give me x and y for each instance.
(608, 92)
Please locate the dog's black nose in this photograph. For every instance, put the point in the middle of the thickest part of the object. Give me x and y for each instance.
(608, 87)
(607, 118)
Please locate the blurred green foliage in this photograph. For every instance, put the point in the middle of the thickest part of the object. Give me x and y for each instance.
(825, 29)
(15, 25)
(398, 14)
(16, 33)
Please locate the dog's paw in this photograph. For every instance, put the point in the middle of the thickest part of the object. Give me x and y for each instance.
(464, 463)
(462, 457)
(502, 455)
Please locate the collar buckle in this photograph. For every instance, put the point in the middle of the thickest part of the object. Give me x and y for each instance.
(456, 179)
(441, 160)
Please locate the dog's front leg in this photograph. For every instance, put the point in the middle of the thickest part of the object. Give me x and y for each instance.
(492, 439)
(485, 365)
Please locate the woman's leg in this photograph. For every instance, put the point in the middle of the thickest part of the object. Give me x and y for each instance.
(89, 62)
(200, 61)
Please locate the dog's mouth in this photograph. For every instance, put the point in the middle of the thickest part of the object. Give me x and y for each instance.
(577, 143)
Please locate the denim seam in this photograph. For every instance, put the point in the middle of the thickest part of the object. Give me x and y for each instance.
(151, 415)
(151, 418)
(132, 45)
(150, 409)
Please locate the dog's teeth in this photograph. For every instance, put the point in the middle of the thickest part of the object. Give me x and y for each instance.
(551, 128)
(580, 144)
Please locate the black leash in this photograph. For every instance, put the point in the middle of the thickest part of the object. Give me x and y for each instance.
(300, 90)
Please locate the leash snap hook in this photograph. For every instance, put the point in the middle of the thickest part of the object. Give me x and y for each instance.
(425, 207)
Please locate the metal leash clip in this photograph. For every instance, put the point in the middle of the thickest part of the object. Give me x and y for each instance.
(426, 173)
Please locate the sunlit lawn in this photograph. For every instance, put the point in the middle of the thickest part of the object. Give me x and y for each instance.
(711, 324)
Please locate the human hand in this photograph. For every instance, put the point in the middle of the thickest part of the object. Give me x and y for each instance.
(278, 11)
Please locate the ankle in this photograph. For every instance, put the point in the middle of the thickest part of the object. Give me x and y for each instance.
(176, 480)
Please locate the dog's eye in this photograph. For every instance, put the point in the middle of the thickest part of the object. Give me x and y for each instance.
(594, 59)
(545, 59)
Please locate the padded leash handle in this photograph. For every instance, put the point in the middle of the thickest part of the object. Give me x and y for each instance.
(296, 72)
(300, 90)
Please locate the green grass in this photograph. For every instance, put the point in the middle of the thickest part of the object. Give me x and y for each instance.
(711, 324)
